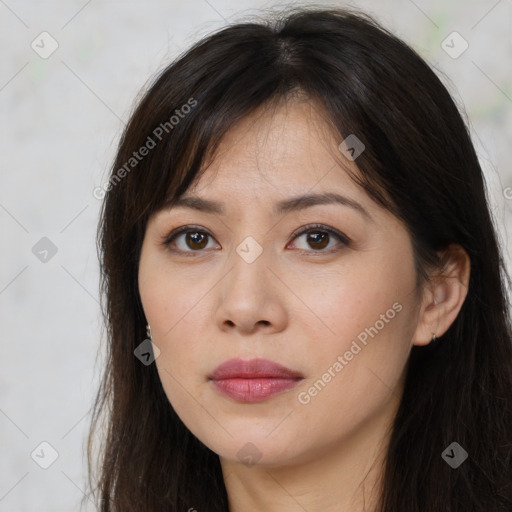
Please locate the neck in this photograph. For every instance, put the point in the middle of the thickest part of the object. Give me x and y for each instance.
(342, 477)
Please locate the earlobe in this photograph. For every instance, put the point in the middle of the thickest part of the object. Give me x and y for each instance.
(444, 296)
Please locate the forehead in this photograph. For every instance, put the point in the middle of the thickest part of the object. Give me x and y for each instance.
(286, 148)
(286, 158)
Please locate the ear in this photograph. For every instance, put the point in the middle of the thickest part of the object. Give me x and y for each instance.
(443, 296)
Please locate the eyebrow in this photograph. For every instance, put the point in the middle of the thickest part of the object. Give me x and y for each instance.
(296, 203)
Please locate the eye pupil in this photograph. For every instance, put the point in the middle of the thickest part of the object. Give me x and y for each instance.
(196, 238)
(315, 240)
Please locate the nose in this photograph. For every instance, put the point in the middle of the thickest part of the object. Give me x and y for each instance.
(250, 299)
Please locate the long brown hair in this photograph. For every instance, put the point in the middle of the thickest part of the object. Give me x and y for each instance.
(419, 163)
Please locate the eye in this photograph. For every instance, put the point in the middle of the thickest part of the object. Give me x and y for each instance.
(188, 239)
(193, 239)
(319, 236)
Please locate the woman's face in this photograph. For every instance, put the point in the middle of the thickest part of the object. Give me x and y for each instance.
(256, 279)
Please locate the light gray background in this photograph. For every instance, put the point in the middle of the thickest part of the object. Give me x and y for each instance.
(61, 118)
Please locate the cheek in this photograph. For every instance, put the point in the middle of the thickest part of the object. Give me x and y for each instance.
(173, 311)
(170, 307)
(369, 312)
(165, 293)
(355, 297)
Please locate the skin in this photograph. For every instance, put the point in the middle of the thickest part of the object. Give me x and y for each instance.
(294, 305)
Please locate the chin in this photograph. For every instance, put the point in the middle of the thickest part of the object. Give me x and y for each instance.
(257, 448)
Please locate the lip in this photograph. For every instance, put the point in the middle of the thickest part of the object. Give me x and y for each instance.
(253, 380)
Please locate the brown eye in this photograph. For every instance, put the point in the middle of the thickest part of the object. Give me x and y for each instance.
(187, 239)
(318, 238)
(196, 240)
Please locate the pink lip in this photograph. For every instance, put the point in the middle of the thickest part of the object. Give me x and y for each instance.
(253, 380)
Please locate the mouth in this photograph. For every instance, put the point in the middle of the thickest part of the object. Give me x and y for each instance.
(253, 380)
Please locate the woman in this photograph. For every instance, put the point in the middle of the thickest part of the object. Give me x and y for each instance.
(296, 222)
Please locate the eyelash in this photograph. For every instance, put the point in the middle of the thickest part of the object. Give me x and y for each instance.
(312, 228)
